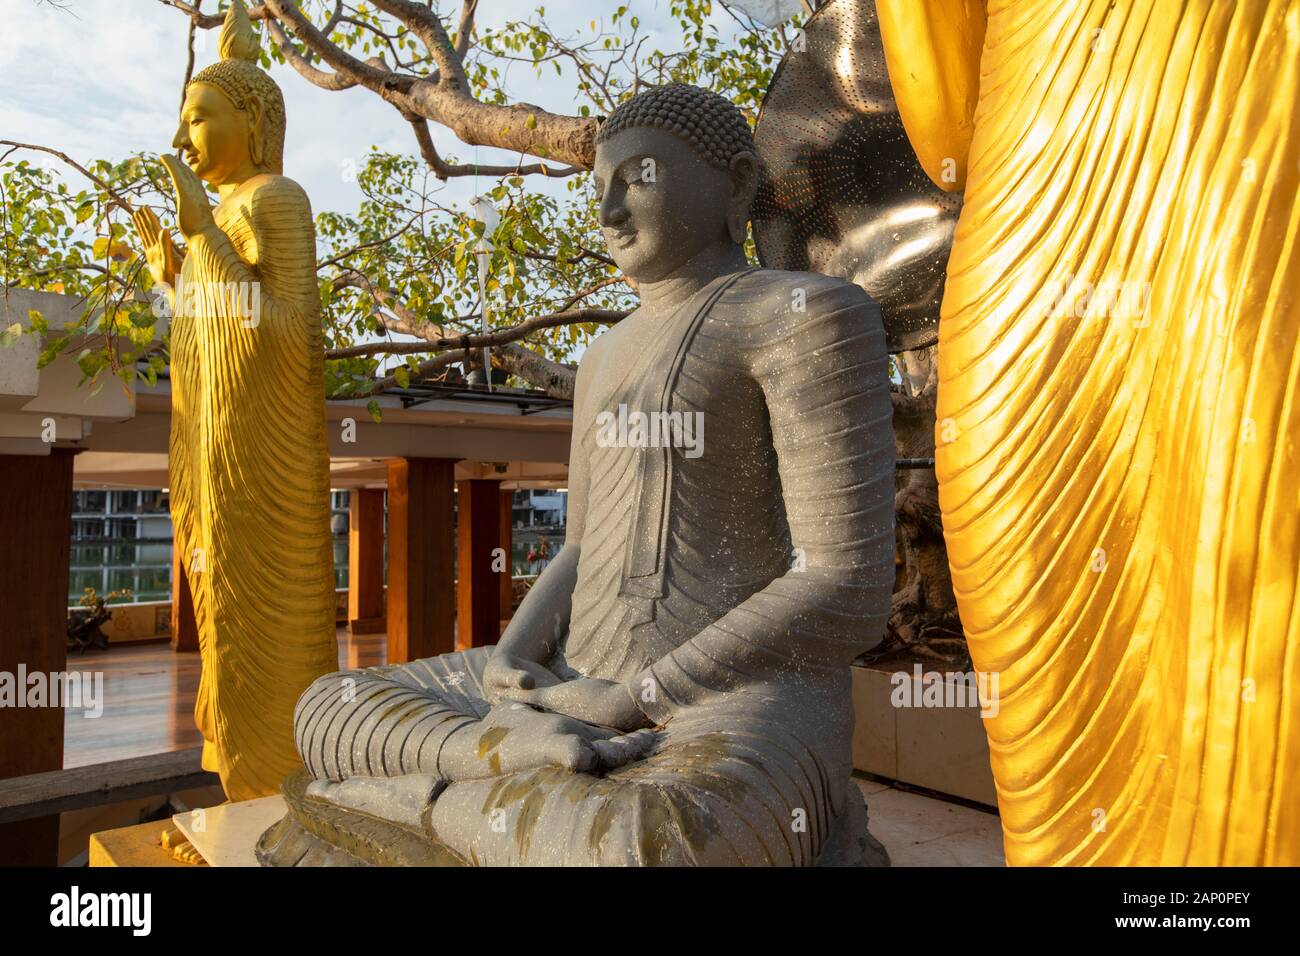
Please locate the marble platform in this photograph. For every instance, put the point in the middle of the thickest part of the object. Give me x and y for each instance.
(920, 830)
(225, 835)
(940, 749)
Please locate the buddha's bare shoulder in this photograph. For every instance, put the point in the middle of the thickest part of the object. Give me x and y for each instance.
(798, 309)
(805, 291)
(268, 193)
(607, 340)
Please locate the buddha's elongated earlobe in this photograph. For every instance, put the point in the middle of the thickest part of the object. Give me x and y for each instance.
(256, 131)
(744, 176)
(737, 223)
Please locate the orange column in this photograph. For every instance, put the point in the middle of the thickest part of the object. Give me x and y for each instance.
(185, 630)
(421, 603)
(507, 546)
(366, 561)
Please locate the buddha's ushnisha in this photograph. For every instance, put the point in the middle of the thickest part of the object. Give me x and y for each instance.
(675, 687)
(248, 465)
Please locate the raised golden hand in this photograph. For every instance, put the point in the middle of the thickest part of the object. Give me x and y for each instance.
(193, 211)
(160, 252)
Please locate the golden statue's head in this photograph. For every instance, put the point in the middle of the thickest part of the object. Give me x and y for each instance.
(232, 121)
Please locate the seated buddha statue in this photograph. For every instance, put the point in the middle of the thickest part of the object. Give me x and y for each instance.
(675, 688)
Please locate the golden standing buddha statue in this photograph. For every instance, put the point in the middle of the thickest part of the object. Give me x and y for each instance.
(1119, 399)
(248, 461)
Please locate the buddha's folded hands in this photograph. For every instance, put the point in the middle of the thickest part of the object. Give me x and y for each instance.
(602, 702)
(514, 737)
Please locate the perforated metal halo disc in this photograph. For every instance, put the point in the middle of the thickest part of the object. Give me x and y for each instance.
(842, 191)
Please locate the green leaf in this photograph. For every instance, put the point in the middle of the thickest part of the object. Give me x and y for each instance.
(91, 362)
(54, 347)
(375, 411)
(402, 376)
(139, 335)
(10, 336)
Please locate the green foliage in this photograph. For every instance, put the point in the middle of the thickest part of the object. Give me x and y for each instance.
(404, 246)
(53, 239)
(405, 259)
(547, 252)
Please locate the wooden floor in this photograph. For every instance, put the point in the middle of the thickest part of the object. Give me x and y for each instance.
(149, 692)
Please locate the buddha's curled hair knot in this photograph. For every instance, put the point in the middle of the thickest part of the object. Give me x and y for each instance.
(710, 124)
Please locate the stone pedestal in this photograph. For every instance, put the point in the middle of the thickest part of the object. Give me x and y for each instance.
(944, 749)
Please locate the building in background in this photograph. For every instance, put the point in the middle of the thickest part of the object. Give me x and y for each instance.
(123, 538)
(535, 508)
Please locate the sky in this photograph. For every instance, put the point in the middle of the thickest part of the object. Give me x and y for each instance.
(101, 79)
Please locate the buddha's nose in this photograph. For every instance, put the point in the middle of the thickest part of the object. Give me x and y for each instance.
(182, 137)
(613, 212)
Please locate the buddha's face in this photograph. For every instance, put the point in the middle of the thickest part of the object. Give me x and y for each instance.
(661, 204)
(214, 135)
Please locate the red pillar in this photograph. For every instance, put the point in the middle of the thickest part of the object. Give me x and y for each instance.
(36, 515)
(507, 546)
(185, 629)
(421, 604)
(478, 586)
(366, 561)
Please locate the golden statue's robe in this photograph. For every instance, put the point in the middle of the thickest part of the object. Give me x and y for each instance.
(249, 474)
(1119, 406)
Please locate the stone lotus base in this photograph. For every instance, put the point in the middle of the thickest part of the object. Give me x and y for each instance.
(315, 832)
(916, 830)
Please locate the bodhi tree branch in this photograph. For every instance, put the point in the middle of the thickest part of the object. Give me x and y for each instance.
(436, 342)
(442, 96)
(114, 197)
(554, 378)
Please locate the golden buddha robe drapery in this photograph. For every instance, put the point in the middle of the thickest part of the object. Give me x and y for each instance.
(1118, 465)
(249, 473)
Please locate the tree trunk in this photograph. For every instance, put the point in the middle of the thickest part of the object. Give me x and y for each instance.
(923, 619)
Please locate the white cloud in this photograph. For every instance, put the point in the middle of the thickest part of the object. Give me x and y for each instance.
(101, 79)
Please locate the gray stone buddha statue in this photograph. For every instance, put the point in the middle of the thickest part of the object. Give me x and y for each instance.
(675, 688)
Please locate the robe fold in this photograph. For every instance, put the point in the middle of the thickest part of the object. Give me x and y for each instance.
(1119, 400)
